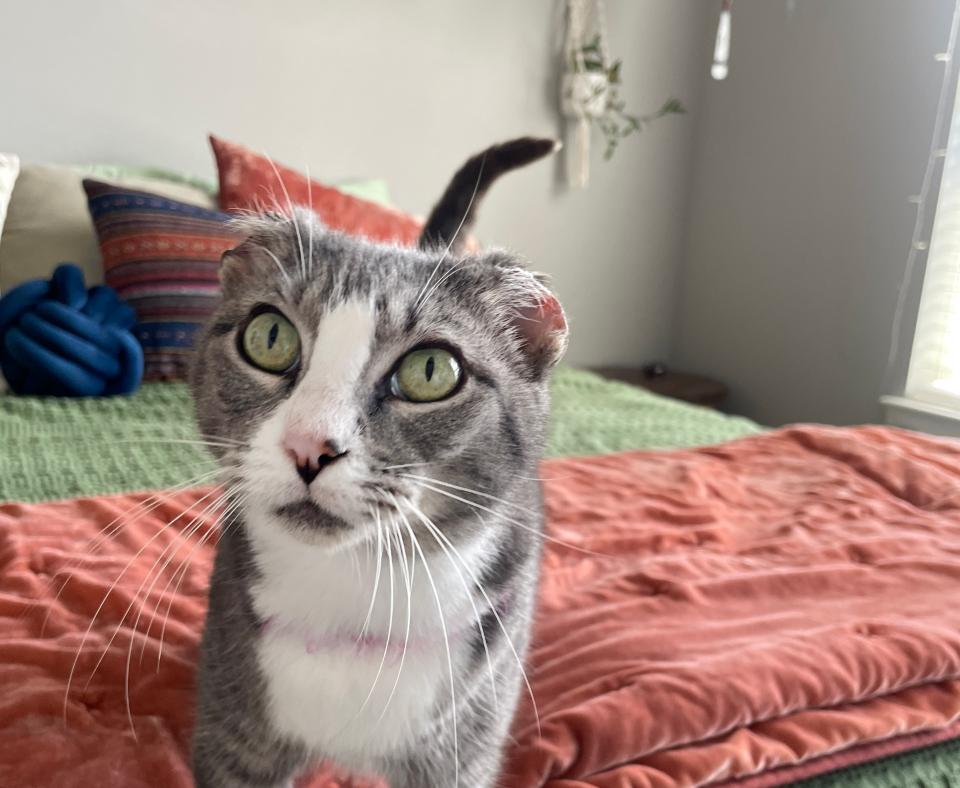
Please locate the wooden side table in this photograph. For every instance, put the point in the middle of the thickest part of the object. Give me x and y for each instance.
(677, 385)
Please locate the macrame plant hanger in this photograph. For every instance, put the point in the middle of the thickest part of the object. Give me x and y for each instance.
(583, 93)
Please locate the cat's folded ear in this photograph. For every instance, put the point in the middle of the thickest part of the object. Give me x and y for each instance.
(271, 242)
(244, 266)
(543, 326)
(536, 317)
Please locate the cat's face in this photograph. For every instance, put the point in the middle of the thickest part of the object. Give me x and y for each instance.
(364, 384)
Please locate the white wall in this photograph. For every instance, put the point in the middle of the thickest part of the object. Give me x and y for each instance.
(402, 90)
(799, 224)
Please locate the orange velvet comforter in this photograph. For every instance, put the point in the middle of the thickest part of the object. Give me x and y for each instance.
(746, 609)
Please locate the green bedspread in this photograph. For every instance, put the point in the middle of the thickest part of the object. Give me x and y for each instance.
(63, 448)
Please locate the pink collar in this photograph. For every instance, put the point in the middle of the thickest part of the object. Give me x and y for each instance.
(352, 643)
(349, 643)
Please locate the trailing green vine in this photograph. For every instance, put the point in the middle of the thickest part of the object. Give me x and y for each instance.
(614, 121)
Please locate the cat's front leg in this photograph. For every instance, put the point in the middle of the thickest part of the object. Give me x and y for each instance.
(221, 760)
(234, 743)
(418, 774)
(434, 765)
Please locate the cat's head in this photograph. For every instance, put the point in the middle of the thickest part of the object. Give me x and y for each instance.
(349, 382)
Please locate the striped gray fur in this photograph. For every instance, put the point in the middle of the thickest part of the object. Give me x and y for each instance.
(482, 445)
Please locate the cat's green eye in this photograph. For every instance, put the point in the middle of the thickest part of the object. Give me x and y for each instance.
(426, 375)
(270, 342)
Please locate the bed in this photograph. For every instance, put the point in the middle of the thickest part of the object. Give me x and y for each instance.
(725, 604)
(710, 499)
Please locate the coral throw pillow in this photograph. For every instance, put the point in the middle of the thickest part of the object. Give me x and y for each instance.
(250, 181)
(163, 258)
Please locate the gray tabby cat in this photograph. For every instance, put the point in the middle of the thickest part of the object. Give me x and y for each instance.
(381, 413)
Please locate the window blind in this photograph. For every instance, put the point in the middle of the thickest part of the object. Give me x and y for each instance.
(934, 373)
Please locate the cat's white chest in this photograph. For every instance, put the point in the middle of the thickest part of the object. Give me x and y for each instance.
(345, 700)
(343, 705)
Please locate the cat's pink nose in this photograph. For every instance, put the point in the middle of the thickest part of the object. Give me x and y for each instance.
(310, 455)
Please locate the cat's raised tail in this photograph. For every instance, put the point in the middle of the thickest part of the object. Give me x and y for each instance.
(452, 217)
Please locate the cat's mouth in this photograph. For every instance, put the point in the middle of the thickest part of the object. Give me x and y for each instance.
(306, 513)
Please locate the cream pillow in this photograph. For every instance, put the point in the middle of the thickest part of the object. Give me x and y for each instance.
(48, 222)
(9, 168)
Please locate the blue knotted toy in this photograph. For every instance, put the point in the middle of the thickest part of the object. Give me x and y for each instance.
(59, 339)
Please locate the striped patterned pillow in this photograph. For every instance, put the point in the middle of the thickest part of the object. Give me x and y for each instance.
(162, 257)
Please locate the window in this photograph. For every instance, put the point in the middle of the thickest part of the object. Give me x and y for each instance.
(934, 374)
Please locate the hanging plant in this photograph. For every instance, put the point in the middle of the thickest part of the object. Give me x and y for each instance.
(590, 89)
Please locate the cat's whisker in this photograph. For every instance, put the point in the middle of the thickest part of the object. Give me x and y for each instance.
(293, 214)
(543, 478)
(446, 642)
(228, 512)
(376, 579)
(149, 504)
(181, 540)
(280, 267)
(185, 534)
(189, 436)
(439, 283)
(440, 536)
(223, 438)
(488, 496)
(103, 602)
(171, 552)
(433, 530)
(258, 207)
(405, 465)
(114, 527)
(310, 226)
(386, 644)
(175, 441)
(457, 264)
(407, 572)
(481, 507)
(189, 529)
(422, 296)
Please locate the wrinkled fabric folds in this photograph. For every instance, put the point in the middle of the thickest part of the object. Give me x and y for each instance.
(705, 615)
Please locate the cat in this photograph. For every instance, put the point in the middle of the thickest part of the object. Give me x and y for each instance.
(379, 413)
